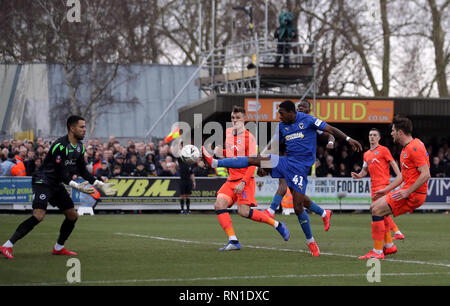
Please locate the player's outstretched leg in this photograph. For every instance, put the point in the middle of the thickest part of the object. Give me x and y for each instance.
(233, 162)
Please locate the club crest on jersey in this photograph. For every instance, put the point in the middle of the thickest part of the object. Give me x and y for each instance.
(300, 125)
(58, 159)
(404, 155)
(376, 152)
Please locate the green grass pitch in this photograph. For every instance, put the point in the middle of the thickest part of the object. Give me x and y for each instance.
(182, 250)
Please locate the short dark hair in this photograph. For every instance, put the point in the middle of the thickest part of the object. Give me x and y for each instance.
(403, 123)
(73, 120)
(376, 130)
(288, 106)
(238, 109)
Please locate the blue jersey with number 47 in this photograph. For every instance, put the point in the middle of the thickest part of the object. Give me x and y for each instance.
(301, 138)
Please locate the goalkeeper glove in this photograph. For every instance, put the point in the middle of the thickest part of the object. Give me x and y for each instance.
(82, 187)
(106, 188)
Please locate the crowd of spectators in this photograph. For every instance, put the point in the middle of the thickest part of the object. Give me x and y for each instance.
(106, 160)
(140, 159)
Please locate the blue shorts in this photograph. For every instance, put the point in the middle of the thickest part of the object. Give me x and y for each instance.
(295, 174)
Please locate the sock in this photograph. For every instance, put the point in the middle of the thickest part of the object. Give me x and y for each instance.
(303, 219)
(378, 231)
(259, 216)
(188, 203)
(24, 228)
(225, 222)
(276, 201)
(65, 230)
(8, 244)
(317, 209)
(58, 247)
(235, 162)
(387, 234)
(182, 204)
(392, 225)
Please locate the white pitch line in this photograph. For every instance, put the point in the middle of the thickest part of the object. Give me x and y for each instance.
(219, 278)
(282, 249)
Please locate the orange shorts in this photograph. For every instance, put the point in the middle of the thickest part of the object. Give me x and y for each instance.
(400, 207)
(247, 196)
(376, 188)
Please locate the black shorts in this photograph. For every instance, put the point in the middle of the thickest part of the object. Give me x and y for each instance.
(185, 187)
(57, 196)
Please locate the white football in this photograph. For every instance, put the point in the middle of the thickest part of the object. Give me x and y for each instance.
(189, 154)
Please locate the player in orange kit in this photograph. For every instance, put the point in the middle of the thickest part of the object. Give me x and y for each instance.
(376, 162)
(240, 185)
(415, 172)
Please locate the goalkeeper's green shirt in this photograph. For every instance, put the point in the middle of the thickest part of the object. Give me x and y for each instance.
(62, 161)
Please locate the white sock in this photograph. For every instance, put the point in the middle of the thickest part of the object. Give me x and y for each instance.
(8, 244)
(389, 245)
(214, 163)
(310, 240)
(276, 224)
(398, 232)
(232, 238)
(58, 247)
(324, 214)
(378, 251)
(271, 211)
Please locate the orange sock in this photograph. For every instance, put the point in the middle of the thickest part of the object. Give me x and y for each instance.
(387, 233)
(225, 222)
(259, 216)
(378, 230)
(392, 225)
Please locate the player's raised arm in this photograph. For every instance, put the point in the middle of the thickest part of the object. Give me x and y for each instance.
(356, 146)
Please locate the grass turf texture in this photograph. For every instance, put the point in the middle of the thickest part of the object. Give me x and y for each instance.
(182, 250)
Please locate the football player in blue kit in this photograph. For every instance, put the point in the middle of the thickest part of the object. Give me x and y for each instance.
(298, 133)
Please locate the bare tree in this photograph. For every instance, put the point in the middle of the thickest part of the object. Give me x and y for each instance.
(438, 37)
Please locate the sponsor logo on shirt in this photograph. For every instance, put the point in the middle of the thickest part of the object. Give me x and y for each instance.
(295, 136)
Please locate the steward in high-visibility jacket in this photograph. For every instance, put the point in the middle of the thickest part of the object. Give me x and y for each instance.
(19, 167)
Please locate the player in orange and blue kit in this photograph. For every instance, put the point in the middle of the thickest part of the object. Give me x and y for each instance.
(376, 162)
(240, 185)
(413, 182)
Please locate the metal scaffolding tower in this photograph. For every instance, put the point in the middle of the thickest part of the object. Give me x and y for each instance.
(251, 67)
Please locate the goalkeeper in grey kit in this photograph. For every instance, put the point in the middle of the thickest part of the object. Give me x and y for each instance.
(63, 164)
